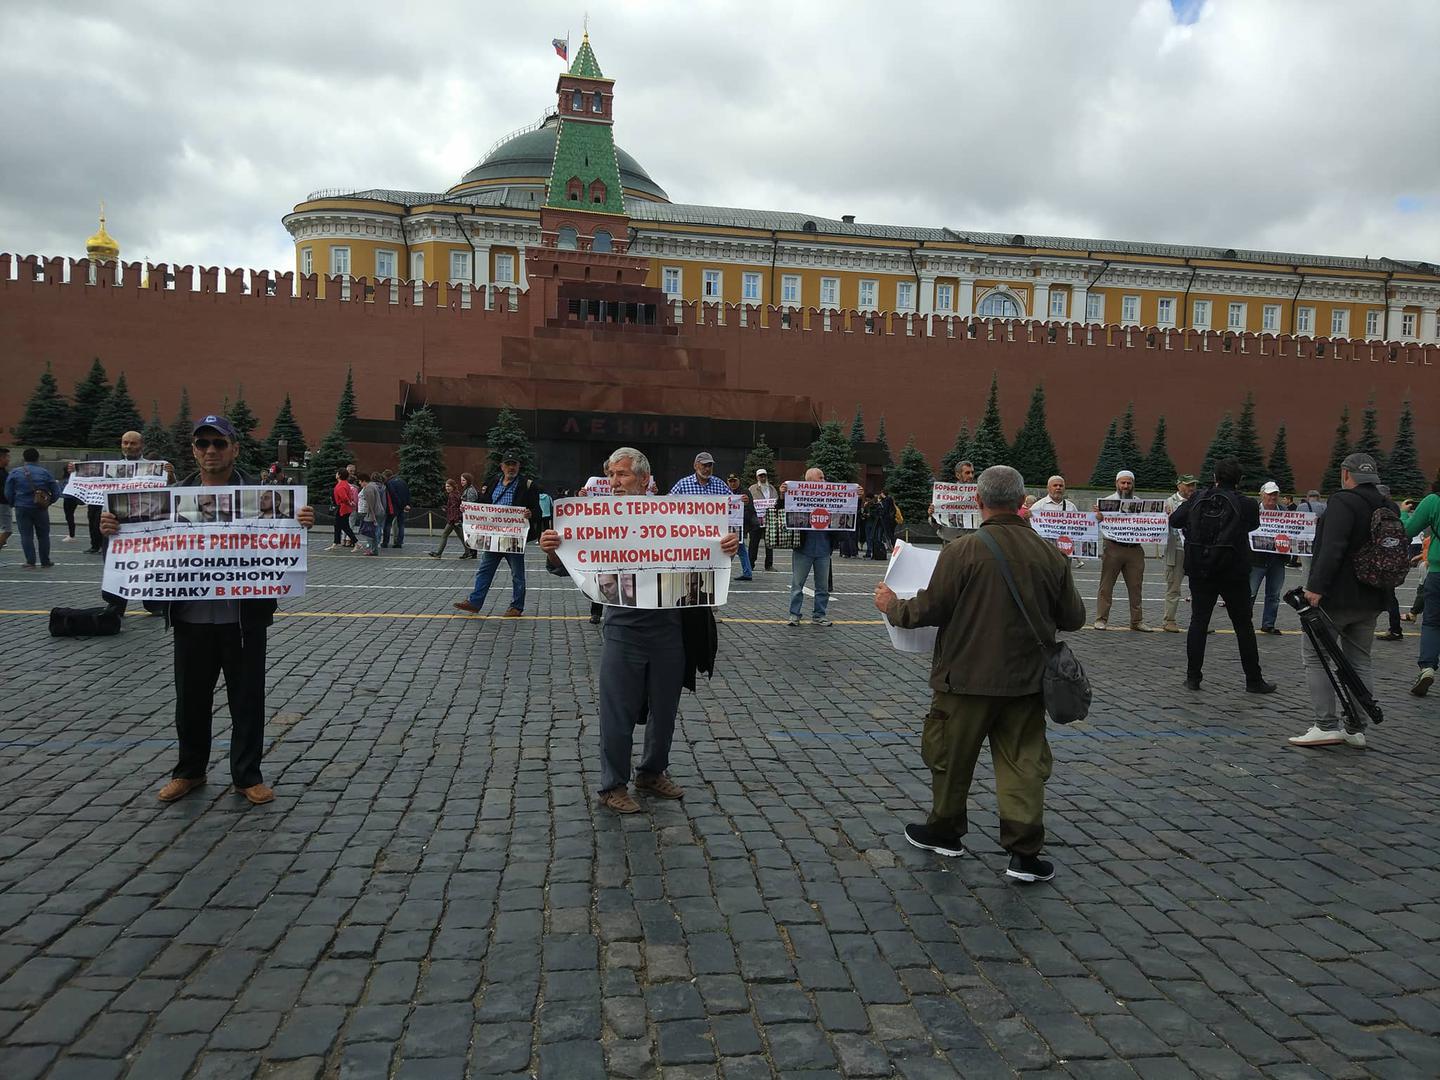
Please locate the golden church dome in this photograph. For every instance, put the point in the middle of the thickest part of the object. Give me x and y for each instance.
(102, 245)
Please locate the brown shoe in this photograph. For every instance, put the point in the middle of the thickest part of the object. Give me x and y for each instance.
(513, 613)
(259, 794)
(178, 788)
(1170, 627)
(620, 800)
(660, 785)
(466, 605)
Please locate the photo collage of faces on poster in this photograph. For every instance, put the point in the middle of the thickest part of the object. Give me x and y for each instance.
(652, 589)
(206, 505)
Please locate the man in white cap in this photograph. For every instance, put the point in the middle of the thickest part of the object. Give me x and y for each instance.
(762, 489)
(1268, 567)
(1175, 555)
(1122, 558)
(703, 481)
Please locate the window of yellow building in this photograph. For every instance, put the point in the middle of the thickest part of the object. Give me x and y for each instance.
(670, 280)
(1270, 318)
(307, 260)
(1130, 310)
(1235, 317)
(1305, 320)
(945, 298)
(790, 289)
(1339, 323)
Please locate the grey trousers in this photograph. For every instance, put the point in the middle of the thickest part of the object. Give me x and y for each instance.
(637, 682)
(1357, 635)
(1174, 578)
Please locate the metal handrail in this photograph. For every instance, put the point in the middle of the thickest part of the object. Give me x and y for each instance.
(536, 126)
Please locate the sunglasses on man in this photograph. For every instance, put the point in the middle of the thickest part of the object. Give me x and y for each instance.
(206, 444)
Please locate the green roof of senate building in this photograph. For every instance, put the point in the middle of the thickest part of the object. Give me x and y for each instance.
(532, 153)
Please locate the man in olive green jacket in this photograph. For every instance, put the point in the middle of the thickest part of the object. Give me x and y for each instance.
(986, 673)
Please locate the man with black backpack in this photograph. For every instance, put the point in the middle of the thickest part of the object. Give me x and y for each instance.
(1217, 524)
(1361, 553)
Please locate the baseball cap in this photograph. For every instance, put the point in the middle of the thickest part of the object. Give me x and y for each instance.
(1313, 493)
(510, 457)
(1362, 468)
(1270, 488)
(215, 423)
(704, 458)
(761, 472)
(1185, 478)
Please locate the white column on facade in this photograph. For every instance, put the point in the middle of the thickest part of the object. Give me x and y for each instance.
(965, 298)
(1079, 301)
(1428, 331)
(925, 302)
(480, 252)
(521, 281)
(1393, 310)
(1040, 301)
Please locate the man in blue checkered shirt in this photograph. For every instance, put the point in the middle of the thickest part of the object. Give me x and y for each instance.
(704, 482)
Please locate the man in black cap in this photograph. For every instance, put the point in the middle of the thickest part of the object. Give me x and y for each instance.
(1353, 606)
(212, 636)
(509, 489)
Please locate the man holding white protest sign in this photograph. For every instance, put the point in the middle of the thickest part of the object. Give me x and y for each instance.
(1126, 523)
(763, 495)
(664, 546)
(211, 597)
(1073, 532)
(1270, 548)
(820, 512)
(496, 504)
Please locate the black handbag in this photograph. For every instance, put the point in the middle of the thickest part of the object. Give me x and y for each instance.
(84, 622)
(1063, 685)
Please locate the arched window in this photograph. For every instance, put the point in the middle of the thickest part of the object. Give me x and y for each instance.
(999, 305)
(577, 101)
(565, 237)
(601, 241)
(599, 103)
(597, 192)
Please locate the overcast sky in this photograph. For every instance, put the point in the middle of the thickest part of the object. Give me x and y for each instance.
(1298, 125)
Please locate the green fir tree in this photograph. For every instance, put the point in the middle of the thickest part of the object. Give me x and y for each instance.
(1369, 440)
(1034, 451)
(883, 443)
(1247, 446)
(1157, 472)
(908, 482)
(1221, 446)
(1339, 451)
(330, 456)
(1126, 442)
(159, 445)
(90, 394)
(345, 410)
(1109, 462)
(116, 415)
(957, 453)
(47, 420)
(422, 459)
(1402, 469)
(252, 457)
(989, 447)
(1279, 468)
(507, 433)
(857, 428)
(832, 452)
(285, 427)
(761, 457)
(182, 430)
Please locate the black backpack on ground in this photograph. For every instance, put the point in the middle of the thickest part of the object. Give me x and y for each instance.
(1215, 528)
(84, 622)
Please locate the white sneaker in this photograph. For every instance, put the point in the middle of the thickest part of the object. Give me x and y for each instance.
(1421, 686)
(1144, 628)
(1100, 624)
(1318, 736)
(1355, 739)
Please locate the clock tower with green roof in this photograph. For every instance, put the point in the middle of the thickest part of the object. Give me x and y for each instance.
(585, 175)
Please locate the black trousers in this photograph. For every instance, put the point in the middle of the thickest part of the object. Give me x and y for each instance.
(756, 536)
(1236, 594)
(92, 518)
(202, 652)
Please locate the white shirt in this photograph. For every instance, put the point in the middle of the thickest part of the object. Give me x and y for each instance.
(1048, 505)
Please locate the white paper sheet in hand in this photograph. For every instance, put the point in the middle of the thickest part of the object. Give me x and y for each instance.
(909, 572)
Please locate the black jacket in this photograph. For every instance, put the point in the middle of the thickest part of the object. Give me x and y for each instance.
(1344, 530)
(527, 494)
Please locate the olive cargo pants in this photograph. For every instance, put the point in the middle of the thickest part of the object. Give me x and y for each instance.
(955, 729)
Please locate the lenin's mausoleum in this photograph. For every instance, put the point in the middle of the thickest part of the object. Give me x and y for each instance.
(558, 278)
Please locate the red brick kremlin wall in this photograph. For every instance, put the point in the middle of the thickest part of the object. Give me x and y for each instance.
(212, 330)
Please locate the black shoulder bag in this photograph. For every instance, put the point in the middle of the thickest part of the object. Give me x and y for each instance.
(1063, 685)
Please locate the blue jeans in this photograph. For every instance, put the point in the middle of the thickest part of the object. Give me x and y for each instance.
(485, 574)
(1430, 622)
(34, 526)
(1273, 575)
(745, 567)
(800, 567)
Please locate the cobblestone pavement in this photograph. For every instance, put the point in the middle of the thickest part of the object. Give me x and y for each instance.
(434, 894)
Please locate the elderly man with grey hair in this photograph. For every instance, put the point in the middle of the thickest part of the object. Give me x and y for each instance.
(642, 668)
(986, 672)
(1119, 558)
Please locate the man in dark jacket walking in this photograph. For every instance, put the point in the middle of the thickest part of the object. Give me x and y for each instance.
(397, 505)
(986, 673)
(509, 489)
(213, 636)
(1352, 605)
(1217, 524)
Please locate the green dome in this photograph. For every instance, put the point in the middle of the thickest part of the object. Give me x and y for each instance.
(531, 153)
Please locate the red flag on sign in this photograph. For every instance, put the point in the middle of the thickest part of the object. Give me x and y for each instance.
(562, 47)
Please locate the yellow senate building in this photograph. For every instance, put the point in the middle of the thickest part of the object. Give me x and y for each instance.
(477, 231)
